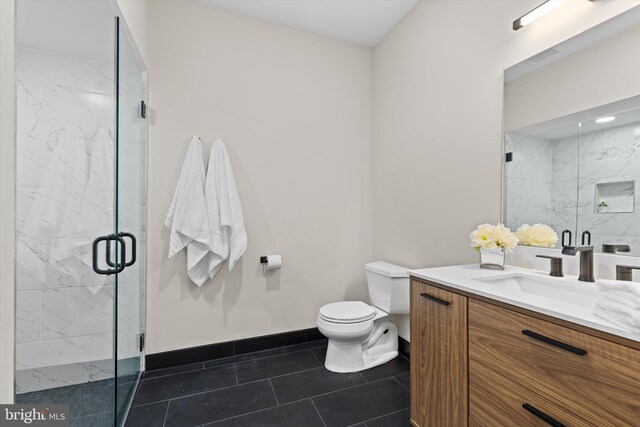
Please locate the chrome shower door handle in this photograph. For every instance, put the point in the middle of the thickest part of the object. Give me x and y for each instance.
(117, 268)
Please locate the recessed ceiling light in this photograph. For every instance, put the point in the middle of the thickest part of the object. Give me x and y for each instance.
(605, 119)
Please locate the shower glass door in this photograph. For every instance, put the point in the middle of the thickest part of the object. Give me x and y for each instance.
(131, 146)
(80, 205)
(65, 198)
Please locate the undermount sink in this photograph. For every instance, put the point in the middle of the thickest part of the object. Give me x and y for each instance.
(554, 289)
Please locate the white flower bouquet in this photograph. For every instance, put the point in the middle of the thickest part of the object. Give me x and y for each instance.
(492, 241)
(490, 236)
(537, 235)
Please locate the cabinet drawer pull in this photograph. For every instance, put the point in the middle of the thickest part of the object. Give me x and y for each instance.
(432, 298)
(551, 341)
(544, 417)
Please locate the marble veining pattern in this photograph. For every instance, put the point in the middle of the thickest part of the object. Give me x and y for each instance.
(528, 180)
(64, 199)
(28, 316)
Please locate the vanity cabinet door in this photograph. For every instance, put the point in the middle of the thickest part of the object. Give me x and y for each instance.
(593, 378)
(497, 401)
(439, 383)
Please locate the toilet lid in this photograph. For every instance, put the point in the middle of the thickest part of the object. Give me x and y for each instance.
(347, 312)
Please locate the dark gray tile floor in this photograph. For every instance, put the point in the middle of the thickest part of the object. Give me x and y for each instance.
(288, 386)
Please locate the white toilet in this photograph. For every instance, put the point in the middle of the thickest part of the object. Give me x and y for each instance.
(362, 336)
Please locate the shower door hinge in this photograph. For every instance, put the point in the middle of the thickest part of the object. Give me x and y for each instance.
(508, 157)
(143, 109)
(141, 338)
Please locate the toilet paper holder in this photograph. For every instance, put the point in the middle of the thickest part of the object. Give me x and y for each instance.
(271, 262)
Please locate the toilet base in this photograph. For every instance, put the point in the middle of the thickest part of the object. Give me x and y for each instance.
(380, 346)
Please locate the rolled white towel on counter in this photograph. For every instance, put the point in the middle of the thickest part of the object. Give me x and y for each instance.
(632, 288)
(619, 303)
(620, 299)
(619, 309)
(627, 292)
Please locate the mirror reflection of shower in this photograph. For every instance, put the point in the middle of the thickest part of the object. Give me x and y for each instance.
(579, 173)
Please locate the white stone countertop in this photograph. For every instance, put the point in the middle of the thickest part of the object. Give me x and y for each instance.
(564, 298)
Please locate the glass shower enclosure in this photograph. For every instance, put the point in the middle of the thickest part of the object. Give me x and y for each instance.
(81, 159)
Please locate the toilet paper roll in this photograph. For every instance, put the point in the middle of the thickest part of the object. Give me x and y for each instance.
(274, 262)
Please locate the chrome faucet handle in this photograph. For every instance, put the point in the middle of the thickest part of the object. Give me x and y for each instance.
(625, 272)
(556, 265)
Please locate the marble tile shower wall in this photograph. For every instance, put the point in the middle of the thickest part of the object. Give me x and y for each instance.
(610, 155)
(542, 184)
(528, 180)
(64, 199)
(564, 184)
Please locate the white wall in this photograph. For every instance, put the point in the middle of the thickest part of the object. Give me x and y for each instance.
(295, 109)
(7, 190)
(438, 110)
(135, 14)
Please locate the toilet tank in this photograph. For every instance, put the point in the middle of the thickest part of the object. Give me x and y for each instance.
(388, 287)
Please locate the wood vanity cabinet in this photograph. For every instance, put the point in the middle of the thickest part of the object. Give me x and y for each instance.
(484, 363)
(438, 357)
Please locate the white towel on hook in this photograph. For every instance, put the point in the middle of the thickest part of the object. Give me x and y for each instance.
(228, 233)
(187, 218)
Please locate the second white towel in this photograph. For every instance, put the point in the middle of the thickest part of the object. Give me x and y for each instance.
(228, 232)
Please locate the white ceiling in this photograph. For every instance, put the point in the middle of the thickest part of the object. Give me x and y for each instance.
(364, 22)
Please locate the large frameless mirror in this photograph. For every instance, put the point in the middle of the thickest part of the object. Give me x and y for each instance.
(572, 143)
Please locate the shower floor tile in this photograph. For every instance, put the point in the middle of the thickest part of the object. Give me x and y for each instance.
(90, 404)
(288, 386)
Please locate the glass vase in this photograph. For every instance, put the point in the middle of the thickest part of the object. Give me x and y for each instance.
(492, 258)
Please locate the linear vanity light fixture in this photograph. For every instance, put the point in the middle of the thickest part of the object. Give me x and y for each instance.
(605, 119)
(536, 13)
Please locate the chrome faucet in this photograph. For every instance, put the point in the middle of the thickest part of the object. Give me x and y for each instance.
(586, 261)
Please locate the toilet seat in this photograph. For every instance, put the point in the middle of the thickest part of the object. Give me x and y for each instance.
(347, 312)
